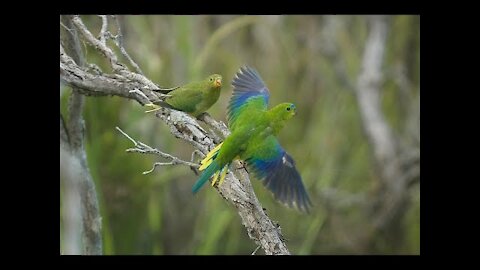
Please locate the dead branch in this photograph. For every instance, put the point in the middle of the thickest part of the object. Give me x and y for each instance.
(79, 182)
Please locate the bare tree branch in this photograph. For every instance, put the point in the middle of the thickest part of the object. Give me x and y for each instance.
(140, 93)
(236, 188)
(255, 251)
(103, 31)
(116, 65)
(391, 199)
(368, 94)
(220, 126)
(120, 45)
(76, 123)
(99, 85)
(84, 185)
(145, 149)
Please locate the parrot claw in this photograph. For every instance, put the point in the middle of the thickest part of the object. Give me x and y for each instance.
(243, 166)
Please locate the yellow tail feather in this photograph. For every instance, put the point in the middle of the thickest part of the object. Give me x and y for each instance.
(208, 159)
(212, 152)
(205, 165)
(223, 174)
(215, 177)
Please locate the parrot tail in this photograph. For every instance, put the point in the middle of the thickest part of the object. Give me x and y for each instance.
(156, 107)
(211, 167)
(166, 90)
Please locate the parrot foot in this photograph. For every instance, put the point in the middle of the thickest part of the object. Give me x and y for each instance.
(220, 176)
(155, 107)
(243, 166)
(201, 116)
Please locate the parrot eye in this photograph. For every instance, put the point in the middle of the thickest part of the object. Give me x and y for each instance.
(288, 108)
(211, 79)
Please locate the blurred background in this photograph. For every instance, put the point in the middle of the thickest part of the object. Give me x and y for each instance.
(312, 61)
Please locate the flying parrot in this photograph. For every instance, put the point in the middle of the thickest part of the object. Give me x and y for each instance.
(193, 98)
(252, 139)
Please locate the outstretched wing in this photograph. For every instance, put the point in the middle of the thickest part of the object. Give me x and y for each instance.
(276, 168)
(249, 94)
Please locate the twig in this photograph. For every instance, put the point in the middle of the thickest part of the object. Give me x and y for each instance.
(140, 93)
(116, 65)
(66, 28)
(196, 152)
(119, 43)
(146, 149)
(126, 135)
(158, 164)
(103, 31)
(192, 159)
(255, 251)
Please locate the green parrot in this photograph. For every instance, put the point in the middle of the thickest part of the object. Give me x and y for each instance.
(193, 98)
(252, 139)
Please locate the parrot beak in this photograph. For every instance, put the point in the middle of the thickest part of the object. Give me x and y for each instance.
(218, 82)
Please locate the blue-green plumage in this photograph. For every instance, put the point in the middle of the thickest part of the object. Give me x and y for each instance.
(249, 93)
(211, 169)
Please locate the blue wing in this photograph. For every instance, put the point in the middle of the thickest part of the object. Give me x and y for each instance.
(272, 164)
(249, 94)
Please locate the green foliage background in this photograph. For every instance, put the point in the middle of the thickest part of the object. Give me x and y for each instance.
(157, 213)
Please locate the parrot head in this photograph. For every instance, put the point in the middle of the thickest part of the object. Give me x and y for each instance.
(287, 110)
(215, 80)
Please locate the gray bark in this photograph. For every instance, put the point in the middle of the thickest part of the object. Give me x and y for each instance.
(73, 156)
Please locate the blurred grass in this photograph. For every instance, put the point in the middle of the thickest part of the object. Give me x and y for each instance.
(157, 214)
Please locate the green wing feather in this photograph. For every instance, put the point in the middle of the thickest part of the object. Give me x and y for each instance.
(184, 99)
(249, 95)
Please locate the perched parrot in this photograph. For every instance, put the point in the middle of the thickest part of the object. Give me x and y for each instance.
(193, 98)
(252, 139)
